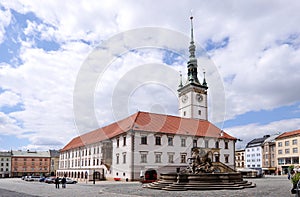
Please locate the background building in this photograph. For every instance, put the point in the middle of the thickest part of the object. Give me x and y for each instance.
(54, 163)
(269, 162)
(30, 163)
(240, 159)
(5, 164)
(253, 152)
(287, 145)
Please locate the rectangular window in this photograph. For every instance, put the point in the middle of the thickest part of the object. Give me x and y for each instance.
(280, 161)
(183, 142)
(124, 140)
(157, 157)
(144, 140)
(279, 152)
(124, 157)
(294, 142)
(217, 144)
(287, 143)
(295, 150)
(117, 158)
(226, 145)
(287, 150)
(226, 158)
(295, 160)
(183, 158)
(143, 157)
(206, 143)
(171, 157)
(279, 144)
(157, 140)
(118, 142)
(170, 141)
(195, 143)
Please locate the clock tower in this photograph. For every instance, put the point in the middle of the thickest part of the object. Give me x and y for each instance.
(193, 95)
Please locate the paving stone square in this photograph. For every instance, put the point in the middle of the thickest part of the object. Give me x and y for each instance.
(269, 186)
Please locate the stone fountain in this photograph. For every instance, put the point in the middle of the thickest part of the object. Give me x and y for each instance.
(201, 174)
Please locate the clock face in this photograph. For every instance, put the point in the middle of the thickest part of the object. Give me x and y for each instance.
(184, 98)
(199, 97)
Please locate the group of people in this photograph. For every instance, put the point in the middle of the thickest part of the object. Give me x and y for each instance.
(63, 182)
(294, 176)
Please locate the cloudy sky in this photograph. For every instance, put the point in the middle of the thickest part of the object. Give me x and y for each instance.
(67, 67)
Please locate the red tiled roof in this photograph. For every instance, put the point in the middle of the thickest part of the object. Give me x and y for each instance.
(150, 122)
(288, 134)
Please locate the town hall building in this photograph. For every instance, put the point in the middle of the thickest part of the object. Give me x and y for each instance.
(126, 149)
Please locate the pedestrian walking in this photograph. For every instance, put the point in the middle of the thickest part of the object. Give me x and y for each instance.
(63, 182)
(56, 183)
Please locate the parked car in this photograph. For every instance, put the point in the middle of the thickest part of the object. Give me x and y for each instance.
(28, 178)
(70, 181)
(35, 178)
(42, 179)
(50, 180)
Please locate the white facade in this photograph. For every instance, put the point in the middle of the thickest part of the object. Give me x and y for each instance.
(5, 164)
(253, 157)
(81, 162)
(141, 153)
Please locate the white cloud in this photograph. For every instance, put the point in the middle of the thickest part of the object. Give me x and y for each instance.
(45, 84)
(263, 69)
(8, 125)
(9, 98)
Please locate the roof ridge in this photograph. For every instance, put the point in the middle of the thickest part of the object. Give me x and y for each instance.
(135, 118)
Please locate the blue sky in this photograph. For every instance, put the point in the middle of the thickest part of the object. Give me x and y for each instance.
(253, 45)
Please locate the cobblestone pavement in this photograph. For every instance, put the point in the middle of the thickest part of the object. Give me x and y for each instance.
(270, 186)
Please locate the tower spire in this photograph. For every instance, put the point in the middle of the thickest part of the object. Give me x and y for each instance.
(193, 94)
(192, 63)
